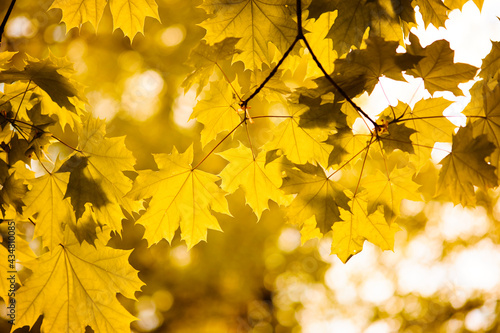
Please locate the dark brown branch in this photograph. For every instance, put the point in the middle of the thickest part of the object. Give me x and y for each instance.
(244, 103)
(333, 83)
(6, 18)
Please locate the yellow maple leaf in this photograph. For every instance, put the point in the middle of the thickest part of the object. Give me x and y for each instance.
(75, 286)
(46, 199)
(256, 22)
(180, 197)
(357, 225)
(128, 15)
(260, 182)
(300, 145)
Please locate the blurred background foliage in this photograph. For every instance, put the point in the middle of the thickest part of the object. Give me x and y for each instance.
(444, 275)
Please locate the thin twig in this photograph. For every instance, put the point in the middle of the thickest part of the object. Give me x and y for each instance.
(6, 18)
(217, 145)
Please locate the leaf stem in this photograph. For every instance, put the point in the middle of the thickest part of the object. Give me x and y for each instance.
(6, 18)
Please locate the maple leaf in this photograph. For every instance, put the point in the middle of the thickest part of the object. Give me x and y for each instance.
(204, 58)
(260, 181)
(389, 189)
(75, 285)
(218, 111)
(384, 18)
(128, 15)
(465, 167)
(76, 12)
(377, 59)
(491, 63)
(357, 225)
(300, 145)
(398, 137)
(46, 200)
(256, 22)
(439, 71)
(427, 122)
(45, 74)
(180, 197)
(317, 195)
(97, 174)
(433, 11)
(457, 4)
(485, 117)
(323, 47)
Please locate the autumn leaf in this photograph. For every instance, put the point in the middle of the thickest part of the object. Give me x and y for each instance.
(433, 11)
(317, 195)
(357, 225)
(97, 174)
(389, 189)
(439, 71)
(260, 181)
(485, 117)
(46, 200)
(128, 15)
(76, 12)
(457, 4)
(300, 145)
(255, 22)
(75, 286)
(180, 197)
(379, 58)
(218, 111)
(205, 58)
(47, 75)
(465, 167)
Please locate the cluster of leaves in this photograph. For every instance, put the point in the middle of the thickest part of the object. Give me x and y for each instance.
(296, 146)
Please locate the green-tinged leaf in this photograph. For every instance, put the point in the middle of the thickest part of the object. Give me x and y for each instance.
(300, 145)
(357, 225)
(205, 58)
(379, 58)
(97, 175)
(75, 286)
(427, 121)
(76, 12)
(46, 75)
(180, 197)
(12, 192)
(398, 137)
(386, 19)
(218, 111)
(485, 117)
(465, 167)
(317, 195)
(256, 22)
(130, 15)
(439, 71)
(260, 181)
